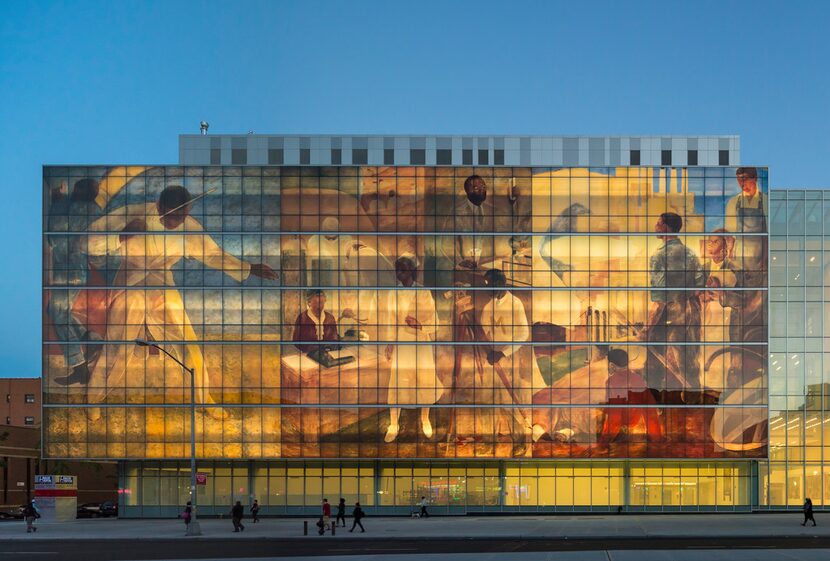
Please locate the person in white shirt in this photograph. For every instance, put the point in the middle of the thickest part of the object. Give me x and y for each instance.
(153, 238)
(504, 322)
(423, 504)
(413, 379)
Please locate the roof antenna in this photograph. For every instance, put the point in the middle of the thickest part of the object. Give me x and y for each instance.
(203, 127)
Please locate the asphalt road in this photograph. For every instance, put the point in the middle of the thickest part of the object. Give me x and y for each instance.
(148, 549)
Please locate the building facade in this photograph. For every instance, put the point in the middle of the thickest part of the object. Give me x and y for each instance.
(20, 462)
(503, 331)
(20, 451)
(799, 364)
(22, 405)
(459, 150)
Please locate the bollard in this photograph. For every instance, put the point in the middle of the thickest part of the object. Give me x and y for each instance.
(333, 526)
(305, 527)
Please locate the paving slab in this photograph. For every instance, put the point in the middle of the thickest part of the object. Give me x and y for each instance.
(597, 555)
(468, 527)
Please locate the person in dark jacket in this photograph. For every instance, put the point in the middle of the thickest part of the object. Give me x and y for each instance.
(315, 323)
(358, 515)
(237, 512)
(31, 514)
(255, 512)
(187, 515)
(808, 512)
(341, 512)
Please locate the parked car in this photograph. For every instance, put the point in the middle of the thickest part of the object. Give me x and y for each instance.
(12, 513)
(98, 510)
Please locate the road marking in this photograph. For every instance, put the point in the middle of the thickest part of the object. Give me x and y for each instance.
(373, 549)
(29, 552)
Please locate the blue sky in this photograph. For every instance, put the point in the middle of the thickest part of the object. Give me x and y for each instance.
(107, 82)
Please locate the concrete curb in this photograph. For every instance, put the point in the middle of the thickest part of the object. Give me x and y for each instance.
(370, 536)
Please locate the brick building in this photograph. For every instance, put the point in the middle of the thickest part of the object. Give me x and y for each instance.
(21, 407)
(20, 458)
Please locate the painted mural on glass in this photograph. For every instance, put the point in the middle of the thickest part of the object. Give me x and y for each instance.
(432, 312)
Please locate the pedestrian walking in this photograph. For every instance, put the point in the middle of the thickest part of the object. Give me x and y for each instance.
(424, 502)
(808, 512)
(326, 520)
(357, 516)
(237, 512)
(187, 515)
(255, 512)
(31, 514)
(341, 512)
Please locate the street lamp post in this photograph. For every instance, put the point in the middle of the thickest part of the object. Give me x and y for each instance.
(193, 529)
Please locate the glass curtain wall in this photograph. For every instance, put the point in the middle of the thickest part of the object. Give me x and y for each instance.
(417, 312)
(799, 463)
(285, 488)
(385, 333)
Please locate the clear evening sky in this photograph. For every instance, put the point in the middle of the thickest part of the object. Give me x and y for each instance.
(116, 82)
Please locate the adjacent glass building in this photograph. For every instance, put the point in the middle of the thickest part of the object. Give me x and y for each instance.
(799, 364)
(494, 337)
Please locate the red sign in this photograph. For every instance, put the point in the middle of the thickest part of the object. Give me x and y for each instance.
(41, 493)
(201, 478)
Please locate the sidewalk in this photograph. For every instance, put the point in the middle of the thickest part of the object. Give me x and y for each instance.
(583, 527)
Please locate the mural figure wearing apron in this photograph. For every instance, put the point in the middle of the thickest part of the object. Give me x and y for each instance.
(753, 256)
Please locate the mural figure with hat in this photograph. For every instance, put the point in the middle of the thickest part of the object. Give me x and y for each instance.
(315, 323)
